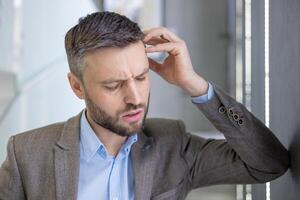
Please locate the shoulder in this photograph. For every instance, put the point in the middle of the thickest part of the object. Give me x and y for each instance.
(47, 136)
(39, 137)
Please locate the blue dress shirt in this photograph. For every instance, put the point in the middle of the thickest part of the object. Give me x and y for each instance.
(102, 176)
(206, 97)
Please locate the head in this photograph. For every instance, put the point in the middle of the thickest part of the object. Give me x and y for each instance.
(109, 70)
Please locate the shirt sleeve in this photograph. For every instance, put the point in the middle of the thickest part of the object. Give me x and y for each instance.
(206, 97)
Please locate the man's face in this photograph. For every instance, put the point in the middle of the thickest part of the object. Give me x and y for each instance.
(116, 88)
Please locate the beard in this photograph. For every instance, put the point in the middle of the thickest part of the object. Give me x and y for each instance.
(112, 123)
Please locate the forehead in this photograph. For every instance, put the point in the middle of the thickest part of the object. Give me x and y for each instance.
(115, 62)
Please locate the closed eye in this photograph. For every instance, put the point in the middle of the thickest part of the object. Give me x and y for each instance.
(140, 78)
(112, 87)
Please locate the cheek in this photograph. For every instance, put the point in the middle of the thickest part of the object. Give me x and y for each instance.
(111, 106)
(110, 102)
(105, 101)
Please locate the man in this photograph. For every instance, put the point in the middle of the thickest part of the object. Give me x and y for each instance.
(109, 150)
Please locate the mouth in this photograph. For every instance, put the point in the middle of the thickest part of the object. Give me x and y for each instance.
(133, 116)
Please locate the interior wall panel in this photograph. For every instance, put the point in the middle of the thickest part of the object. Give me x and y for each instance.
(285, 90)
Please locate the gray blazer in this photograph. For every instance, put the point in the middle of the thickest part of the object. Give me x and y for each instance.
(167, 162)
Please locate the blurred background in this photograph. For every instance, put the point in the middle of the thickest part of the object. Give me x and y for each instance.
(250, 48)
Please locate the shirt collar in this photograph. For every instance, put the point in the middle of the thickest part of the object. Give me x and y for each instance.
(91, 144)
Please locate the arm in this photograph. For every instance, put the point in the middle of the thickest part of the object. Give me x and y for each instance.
(250, 153)
(10, 181)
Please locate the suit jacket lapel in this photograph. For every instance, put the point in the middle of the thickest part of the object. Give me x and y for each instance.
(67, 160)
(143, 157)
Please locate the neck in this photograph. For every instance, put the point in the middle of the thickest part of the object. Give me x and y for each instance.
(110, 140)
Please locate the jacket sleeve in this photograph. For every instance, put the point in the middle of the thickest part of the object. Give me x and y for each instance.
(10, 181)
(250, 153)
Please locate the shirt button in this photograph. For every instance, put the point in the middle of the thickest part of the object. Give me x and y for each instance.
(222, 109)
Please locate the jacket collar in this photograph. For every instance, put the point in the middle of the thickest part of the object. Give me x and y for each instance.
(67, 162)
(144, 155)
(69, 138)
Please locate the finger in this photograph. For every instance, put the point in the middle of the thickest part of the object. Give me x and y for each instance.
(155, 66)
(154, 41)
(161, 32)
(153, 33)
(171, 48)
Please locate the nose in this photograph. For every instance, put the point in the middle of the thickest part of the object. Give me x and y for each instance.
(132, 95)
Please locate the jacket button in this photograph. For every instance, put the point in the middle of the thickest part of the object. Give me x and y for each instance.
(230, 111)
(236, 117)
(222, 109)
(240, 122)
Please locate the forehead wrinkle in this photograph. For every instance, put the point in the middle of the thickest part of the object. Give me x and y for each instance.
(112, 80)
(122, 66)
(123, 72)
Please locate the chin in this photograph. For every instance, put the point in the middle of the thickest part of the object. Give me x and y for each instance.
(135, 126)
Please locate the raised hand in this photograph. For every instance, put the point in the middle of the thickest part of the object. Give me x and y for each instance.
(177, 68)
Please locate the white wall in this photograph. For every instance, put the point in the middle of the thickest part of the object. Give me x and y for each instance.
(40, 64)
(6, 36)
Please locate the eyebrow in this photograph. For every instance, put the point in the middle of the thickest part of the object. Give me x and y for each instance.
(112, 80)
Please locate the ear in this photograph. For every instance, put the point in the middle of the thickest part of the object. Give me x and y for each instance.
(76, 85)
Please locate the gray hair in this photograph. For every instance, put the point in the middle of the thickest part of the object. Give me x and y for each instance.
(95, 31)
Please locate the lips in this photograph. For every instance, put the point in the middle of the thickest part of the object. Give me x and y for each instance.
(132, 116)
